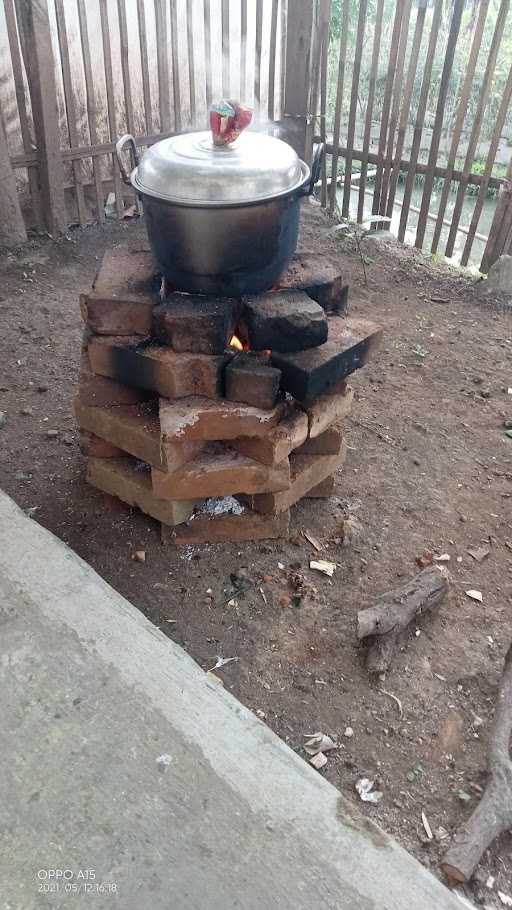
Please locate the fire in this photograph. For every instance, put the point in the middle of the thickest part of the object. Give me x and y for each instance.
(237, 344)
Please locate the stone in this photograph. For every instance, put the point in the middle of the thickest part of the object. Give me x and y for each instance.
(42, 387)
(306, 471)
(95, 390)
(27, 412)
(130, 482)
(499, 279)
(123, 295)
(250, 378)
(200, 418)
(323, 490)
(94, 447)
(328, 409)
(3, 419)
(327, 443)
(192, 322)
(319, 279)
(228, 528)
(135, 429)
(284, 321)
(280, 440)
(220, 471)
(310, 373)
(151, 366)
(52, 434)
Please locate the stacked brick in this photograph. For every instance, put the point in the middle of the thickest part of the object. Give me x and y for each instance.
(215, 444)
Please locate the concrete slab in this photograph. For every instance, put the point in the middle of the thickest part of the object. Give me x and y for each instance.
(119, 755)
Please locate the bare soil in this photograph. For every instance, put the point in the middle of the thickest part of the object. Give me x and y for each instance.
(429, 468)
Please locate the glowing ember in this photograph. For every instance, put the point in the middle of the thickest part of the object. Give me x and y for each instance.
(236, 343)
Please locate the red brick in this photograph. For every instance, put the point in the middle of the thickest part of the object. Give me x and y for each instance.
(322, 490)
(282, 321)
(99, 391)
(251, 379)
(220, 471)
(156, 368)
(124, 478)
(328, 409)
(94, 447)
(327, 443)
(228, 528)
(123, 295)
(307, 471)
(278, 442)
(193, 322)
(200, 418)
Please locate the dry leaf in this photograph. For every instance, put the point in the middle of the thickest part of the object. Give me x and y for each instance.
(139, 556)
(444, 557)
(319, 742)
(479, 553)
(428, 829)
(475, 595)
(366, 792)
(221, 662)
(323, 566)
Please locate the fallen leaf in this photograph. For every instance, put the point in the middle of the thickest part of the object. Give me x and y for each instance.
(505, 899)
(444, 557)
(395, 699)
(318, 761)
(475, 595)
(508, 433)
(462, 795)
(221, 662)
(479, 553)
(424, 560)
(323, 566)
(313, 541)
(366, 792)
(139, 556)
(428, 829)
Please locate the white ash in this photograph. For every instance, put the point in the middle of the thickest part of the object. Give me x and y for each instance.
(220, 505)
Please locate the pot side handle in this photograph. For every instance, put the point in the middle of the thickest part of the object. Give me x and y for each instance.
(125, 140)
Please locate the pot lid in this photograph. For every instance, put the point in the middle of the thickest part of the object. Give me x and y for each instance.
(190, 170)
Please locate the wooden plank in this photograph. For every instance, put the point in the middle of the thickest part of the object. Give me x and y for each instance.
(191, 61)
(413, 167)
(19, 88)
(298, 71)
(243, 49)
(257, 56)
(35, 39)
(144, 64)
(283, 20)
(324, 67)
(406, 106)
(272, 61)
(339, 103)
(395, 105)
(125, 65)
(386, 104)
(354, 95)
(176, 89)
(91, 106)
(111, 104)
(12, 225)
(501, 223)
(477, 122)
(467, 85)
(69, 97)
(319, 25)
(491, 155)
(453, 35)
(164, 101)
(226, 76)
(369, 107)
(207, 52)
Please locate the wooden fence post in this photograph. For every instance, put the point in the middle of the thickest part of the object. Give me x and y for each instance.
(12, 226)
(501, 226)
(35, 37)
(297, 83)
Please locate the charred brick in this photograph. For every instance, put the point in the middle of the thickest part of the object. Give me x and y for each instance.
(192, 322)
(284, 321)
(252, 379)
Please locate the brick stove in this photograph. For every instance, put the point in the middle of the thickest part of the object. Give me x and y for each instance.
(213, 415)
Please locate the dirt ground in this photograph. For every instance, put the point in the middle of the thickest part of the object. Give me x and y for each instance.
(429, 468)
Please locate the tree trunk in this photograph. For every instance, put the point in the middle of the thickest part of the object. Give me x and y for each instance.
(12, 226)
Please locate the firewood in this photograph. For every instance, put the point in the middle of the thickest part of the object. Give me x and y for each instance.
(493, 815)
(395, 610)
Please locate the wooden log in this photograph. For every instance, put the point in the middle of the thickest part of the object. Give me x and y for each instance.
(458, 8)
(369, 107)
(420, 119)
(493, 815)
(460, 118)
(36, 43)
(12, 226)
(395, 610)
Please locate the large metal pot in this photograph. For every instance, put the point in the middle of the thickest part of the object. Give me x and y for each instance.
(221, 219)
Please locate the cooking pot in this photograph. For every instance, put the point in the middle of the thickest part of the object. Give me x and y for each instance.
(221, 219)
